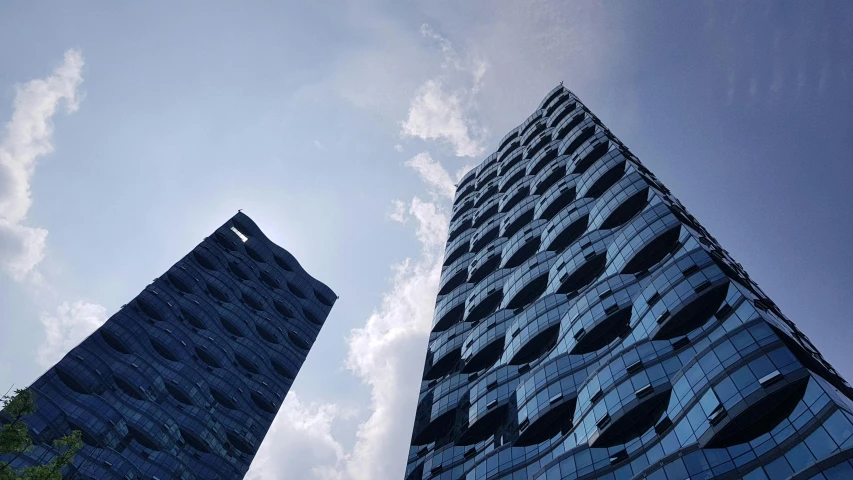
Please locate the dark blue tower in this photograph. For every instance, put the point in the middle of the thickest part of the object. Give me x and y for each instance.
(184, 380)
(587, 326)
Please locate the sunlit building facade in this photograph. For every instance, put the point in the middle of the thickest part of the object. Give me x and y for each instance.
(184, 381)
(587, 326)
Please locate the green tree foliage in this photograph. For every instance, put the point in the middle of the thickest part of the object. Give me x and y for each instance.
(15, 440)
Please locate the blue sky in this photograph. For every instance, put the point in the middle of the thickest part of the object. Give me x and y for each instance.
(134, 130)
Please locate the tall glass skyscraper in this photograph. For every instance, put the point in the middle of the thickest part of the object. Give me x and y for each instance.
(184, 381)
(587, 326)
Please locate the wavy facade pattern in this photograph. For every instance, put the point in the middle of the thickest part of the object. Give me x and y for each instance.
(184, 381)
(587, 326)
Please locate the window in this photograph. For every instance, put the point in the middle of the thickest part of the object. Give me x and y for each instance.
(820, 444)
(240, 235)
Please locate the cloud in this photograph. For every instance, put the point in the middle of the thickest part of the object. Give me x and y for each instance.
(380, 353)
(21, 248)
(300, 443)
(474, 66)
(68, 326)
(319, 145)
(435, 176)
(443, 107)
(26, 139)
(438, 114)
(399, 213)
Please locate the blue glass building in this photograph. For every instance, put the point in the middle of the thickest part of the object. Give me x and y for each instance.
(184, 380)
(587, 326)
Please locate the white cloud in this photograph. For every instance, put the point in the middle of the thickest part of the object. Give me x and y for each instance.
(319, 145)
(474, 65)
(300, 443)
(443, 107)
(387, 353)
(437, 114)
(21, 248)
(399, 213)
(450, 56)
(435, 176)
(433, 223)
(26, 139)
(68, 326)
(381, 352)
(527, 49)
(398, 147)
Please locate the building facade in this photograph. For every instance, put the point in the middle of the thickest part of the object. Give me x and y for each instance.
(185, 380)
(587, 326)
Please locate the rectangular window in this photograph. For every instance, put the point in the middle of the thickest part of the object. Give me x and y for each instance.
(239, 234)
(820, 443)
(717, 415)
(645, 390)
(634, 366)
(687, 271)
(770, 378)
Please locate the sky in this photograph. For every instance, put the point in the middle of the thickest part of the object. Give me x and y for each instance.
(134, 129)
